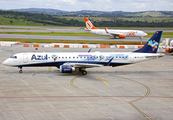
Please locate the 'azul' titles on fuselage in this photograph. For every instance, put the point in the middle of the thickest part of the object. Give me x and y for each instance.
(39, 57)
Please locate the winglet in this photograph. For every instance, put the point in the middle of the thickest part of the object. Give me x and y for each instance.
(152, 45)
(89, 25)
(106, 29)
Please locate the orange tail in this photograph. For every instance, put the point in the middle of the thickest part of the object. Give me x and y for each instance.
(89, 25)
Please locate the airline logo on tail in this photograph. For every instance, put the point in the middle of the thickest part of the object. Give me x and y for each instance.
(153, 44)
(89, 25)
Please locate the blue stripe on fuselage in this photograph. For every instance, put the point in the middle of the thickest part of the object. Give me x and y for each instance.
(58, 63)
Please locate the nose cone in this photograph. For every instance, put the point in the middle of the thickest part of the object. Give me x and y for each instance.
(145, 34)
(5, 62)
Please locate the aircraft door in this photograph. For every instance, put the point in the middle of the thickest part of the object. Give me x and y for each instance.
(131, 57)
(25, 58)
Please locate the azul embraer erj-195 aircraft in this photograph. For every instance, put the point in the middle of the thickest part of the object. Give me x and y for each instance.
(72, 61)
(113, 32)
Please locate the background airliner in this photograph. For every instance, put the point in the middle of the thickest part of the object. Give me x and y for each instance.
(169, 49)
(113, 32)
(72, 61)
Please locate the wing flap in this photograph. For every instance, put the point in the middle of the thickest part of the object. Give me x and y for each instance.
(83, 65)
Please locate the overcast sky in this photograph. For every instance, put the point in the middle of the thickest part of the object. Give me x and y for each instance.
(99, 5)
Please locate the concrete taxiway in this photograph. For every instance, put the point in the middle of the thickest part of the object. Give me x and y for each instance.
(142, 91)
(8, 28)
(47, 37)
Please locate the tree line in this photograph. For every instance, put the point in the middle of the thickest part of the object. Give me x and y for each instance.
(46, 19)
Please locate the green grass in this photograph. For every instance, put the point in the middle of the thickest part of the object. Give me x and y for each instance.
(21, 28)
(22, 22)
(71, 41)
(164, 35)
(134, 19)
(54, 33)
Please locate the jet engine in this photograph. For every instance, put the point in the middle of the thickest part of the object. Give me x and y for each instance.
(66, 69)
(169, 50)
(122, 36)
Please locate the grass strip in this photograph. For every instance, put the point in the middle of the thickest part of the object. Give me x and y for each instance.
(54, 33)
(71, 41)
(87, 34)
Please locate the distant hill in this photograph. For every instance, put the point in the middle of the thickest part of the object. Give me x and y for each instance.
(26, 18)
(39, 10)
(97, 13)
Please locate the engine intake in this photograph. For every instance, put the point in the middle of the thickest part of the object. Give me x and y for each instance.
(66, 69)
(169, 50)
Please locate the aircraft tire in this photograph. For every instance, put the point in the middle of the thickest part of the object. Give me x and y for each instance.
(84, 72)
(20, 71)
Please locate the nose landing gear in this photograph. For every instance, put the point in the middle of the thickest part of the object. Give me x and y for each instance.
(20, 71)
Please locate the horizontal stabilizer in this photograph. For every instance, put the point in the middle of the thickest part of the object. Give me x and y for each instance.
(154, 56)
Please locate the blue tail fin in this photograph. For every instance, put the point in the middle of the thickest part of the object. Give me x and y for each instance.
(152, 44)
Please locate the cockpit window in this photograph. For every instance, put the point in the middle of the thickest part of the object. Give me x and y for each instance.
(13, 57)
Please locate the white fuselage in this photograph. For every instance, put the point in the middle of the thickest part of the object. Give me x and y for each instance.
(136, 33)
(57, 59)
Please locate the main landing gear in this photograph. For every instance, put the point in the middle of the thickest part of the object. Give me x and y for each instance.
(20, 71)
(84, 72)
(141, 40)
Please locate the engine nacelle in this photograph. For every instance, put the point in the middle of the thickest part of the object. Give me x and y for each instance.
(169, 50)
(66, 69)
(122, 36)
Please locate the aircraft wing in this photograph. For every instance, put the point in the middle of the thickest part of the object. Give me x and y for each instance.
(113, 33)
(83, 65)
